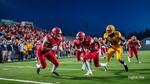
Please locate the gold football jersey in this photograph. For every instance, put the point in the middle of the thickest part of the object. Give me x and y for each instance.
(114, 38)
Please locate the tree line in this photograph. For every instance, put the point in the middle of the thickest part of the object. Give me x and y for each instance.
(140, 35)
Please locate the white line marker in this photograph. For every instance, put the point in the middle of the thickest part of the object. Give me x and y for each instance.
(24, 81)
(63, 69)
(20, 67)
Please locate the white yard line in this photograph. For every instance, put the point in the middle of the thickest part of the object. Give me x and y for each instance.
(20, 67)
(35, 67)
(24, 81)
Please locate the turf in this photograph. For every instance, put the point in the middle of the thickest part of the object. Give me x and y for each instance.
(71, 73)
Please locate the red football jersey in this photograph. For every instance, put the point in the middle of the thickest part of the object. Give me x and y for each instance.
(133, 43)
(51, 41)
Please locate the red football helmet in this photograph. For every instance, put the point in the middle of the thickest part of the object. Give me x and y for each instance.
(56, 32)
(80, 36)
(133, 38)
(88, 39)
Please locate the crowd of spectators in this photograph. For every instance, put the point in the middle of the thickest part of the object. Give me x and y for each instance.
(19, 43)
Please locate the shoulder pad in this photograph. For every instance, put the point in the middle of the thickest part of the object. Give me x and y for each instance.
(75, 42)
(105, 35)
(129, 40)
(61, 39)
(117, 33)
(48, 36)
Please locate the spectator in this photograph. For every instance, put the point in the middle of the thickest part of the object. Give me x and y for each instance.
(4, 49)
(9, 49)
(21, 50)
(1, 49)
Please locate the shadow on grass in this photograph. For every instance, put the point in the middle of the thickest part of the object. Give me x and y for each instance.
(117, 75)
(138, 71)
(101, 78)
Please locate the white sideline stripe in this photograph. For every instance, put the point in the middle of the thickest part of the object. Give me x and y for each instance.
(24, 81)
(35, 67)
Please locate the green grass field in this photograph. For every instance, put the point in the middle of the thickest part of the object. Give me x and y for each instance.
(70, 70)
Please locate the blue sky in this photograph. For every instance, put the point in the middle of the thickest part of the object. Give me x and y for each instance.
(89, 16)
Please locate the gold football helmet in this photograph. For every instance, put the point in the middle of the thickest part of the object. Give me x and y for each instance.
(110, 29)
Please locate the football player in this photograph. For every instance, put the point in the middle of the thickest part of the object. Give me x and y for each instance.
(78, 44)
(115, 39)
(133, 44)
(103, 47)
(92, 53)
(48, 49)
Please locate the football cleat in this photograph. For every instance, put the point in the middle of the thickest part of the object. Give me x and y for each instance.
(88, 74)
(37, 69)
(105, 67)
(56, 73)
(126, 67)
(139, 62)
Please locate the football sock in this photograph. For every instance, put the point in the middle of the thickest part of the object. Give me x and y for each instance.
(102, 64)
(121, 61)
(38, 65)
(137, 58)
(83, 66)
(87, 65)
(53, 68)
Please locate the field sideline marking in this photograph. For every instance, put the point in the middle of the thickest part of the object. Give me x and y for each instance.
(24, 81)
(20, 67)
